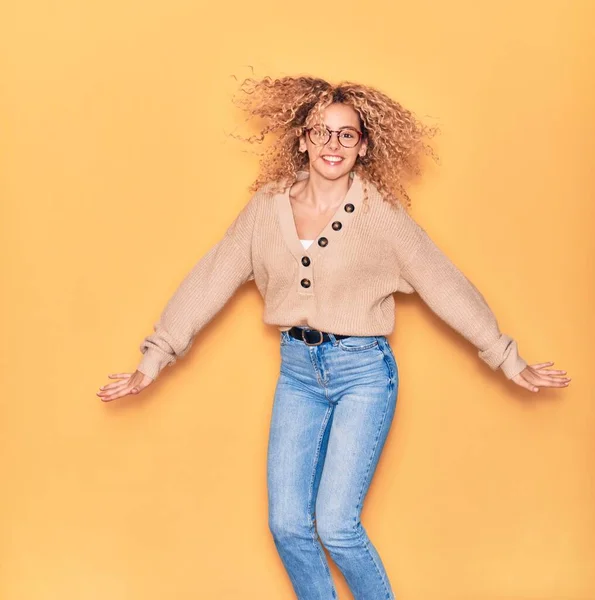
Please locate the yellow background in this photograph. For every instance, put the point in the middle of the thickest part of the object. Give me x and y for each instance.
(117, 174)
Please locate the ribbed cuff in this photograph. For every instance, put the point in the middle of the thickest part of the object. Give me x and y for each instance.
(153, 362)
(504, 355)
(512, 366)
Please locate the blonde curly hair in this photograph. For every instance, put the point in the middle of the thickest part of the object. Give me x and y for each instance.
(287, 105)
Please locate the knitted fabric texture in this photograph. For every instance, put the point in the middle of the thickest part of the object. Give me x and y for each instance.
(344, 283)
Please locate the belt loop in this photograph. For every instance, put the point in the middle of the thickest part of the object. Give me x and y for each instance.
(333, 338)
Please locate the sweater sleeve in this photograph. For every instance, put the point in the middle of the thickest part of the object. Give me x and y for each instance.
(201, 294)
(449, 294)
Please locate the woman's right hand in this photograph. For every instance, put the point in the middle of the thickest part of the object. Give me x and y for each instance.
(130, 383)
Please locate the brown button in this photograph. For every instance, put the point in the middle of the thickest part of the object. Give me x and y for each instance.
(305, 261)
(336, 225)
(305, 283)
(323, 242)
(349, 207)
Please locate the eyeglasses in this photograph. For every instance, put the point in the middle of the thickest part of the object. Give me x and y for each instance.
(348, 138)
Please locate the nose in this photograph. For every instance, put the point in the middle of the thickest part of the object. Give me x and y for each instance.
(334, 141)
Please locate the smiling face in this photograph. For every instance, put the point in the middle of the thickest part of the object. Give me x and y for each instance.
(332, 160)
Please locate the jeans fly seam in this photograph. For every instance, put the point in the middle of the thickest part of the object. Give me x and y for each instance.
(310, 494)
(317, 371)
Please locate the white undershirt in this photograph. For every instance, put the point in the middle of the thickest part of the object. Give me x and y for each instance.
(306, 243)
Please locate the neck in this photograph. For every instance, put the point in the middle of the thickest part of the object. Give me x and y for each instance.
(325, 193)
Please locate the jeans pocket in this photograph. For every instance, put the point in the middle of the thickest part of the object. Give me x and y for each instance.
(358, 343)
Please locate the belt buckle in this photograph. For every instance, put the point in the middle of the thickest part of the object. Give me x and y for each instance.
(315, 343)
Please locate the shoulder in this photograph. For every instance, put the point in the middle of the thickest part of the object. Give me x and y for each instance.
(394, 215)
(262, 198)
(265, 194)
(401, 231)
(271, 188)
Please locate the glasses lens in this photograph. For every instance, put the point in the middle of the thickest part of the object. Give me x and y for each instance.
(349, 138)
(319, 135)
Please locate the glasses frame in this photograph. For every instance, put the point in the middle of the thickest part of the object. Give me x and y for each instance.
(330, 136)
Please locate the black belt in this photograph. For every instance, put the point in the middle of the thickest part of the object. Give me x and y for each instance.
(312, 337)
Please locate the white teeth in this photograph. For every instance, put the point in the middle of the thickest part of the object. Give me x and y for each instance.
(333, 158)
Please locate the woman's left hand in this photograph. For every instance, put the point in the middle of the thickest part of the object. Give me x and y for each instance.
(533, 377)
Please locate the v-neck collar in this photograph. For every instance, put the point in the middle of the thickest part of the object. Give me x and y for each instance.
(289, 229)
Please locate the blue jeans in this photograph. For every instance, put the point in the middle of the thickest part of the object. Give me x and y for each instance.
(332, 410)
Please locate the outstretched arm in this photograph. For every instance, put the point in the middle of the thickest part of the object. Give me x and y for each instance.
(201, 295)
(447, 291)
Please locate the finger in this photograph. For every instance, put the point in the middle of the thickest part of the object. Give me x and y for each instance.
(549, 374)
(122, 390)
(543, 380)
(555, 384)
(111, 386)
(552, 371)
(103, 394)
(114, 395)
(550, 382)
(120, 375)
(539, 365)
(546, 381)
(544, 376)
(110, 398)
(114, 386)
(520, 380)
(556, 377)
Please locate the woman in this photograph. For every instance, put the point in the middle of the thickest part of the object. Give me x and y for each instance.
(327, 242)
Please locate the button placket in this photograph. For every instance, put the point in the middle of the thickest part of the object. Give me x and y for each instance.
(305, 276)
(306, 258)
(323, 242)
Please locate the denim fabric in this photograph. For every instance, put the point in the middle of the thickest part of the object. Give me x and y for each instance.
(332, 410)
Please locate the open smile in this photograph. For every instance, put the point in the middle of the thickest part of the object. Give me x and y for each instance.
(332, 159)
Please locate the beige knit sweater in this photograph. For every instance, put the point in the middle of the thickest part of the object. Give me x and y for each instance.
(343, 283)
